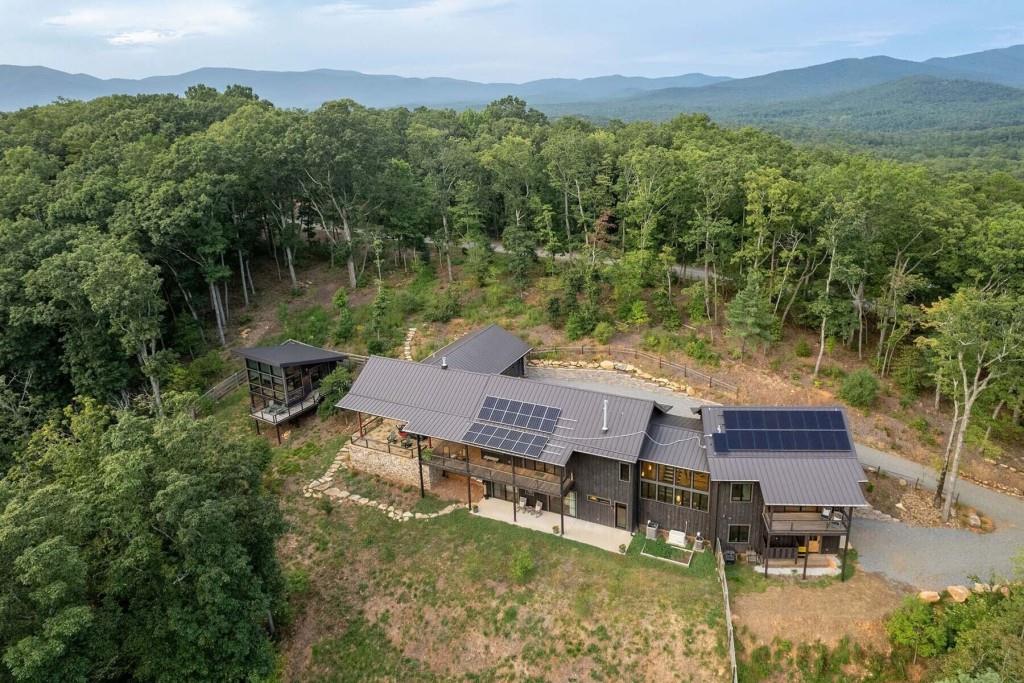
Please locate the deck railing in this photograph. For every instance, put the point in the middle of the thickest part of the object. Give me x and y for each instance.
(805, 522)
(688, 373)
(384, 446)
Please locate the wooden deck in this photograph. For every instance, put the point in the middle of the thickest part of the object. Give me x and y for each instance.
(285, 414)
(800, 523)
(482, 468)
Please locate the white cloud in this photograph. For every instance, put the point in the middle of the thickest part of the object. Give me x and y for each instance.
(426, 9)
(153, 23)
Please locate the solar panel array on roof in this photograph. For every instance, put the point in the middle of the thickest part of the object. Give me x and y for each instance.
(519, 414)
(783, 419)
(510, 440)
(781, 440)
(782, 430)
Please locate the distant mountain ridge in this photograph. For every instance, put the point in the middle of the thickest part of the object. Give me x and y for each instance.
(24, 86)
(1004, 66)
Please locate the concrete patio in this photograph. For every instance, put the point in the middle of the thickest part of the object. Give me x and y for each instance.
(597, 535)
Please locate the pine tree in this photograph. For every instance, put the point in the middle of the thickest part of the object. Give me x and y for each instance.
(750, 313)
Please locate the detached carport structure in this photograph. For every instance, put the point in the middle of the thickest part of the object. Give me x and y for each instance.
(284, 380)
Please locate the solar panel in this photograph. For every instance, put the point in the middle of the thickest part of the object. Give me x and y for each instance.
(509, 440)
(519, 414)
(782, 430)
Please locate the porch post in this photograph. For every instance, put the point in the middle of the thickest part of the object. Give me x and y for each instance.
(807, 552)
(419, 461)
(257, 423)
(515, 493)
(278, 428)
(846, 544)
(359, 419)
(767, 547)
(469, 493)
(561, 501)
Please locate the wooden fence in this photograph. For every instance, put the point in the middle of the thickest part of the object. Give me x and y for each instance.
(225, 386)
(692, 375)
(720, 566)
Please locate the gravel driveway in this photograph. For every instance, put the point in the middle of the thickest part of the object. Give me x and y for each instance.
(922, 557)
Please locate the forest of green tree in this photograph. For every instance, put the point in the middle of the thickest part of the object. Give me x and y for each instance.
(129, 224)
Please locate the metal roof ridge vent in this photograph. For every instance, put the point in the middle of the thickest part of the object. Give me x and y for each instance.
(604, 416)
(444, 362)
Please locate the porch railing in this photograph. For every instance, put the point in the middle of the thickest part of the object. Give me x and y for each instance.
(384, 446)
(492, 472)
(797, 523)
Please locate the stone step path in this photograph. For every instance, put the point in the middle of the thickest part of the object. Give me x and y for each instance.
(324, 486)
(407, 349)
(872, 513)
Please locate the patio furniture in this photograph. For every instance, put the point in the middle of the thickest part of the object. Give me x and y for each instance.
(522, 503)
(538, 508)
(729, 556)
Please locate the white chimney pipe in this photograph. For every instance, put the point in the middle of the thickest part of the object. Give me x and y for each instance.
(604, 421)
(444, 362)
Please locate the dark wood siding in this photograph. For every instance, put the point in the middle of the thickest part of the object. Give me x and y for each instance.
(678, 518)
(596, 476)
(730, 512)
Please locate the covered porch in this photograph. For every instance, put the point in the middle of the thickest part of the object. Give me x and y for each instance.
(597, 535)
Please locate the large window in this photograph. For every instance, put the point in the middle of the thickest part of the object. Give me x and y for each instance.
(675, 485)
(739, 533)
(741, 493)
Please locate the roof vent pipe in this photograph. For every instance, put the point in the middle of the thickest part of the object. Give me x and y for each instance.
(444, 362)
(604, 417)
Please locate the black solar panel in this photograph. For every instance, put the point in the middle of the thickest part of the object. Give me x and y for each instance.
(509, 440)
(782, 430)
(519, 414)
(783, 419)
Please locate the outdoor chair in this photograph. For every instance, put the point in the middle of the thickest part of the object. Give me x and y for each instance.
(538, 508)
(522, 503)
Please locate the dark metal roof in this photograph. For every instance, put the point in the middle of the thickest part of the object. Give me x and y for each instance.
(490, 349)
(674, 440)
(444, 403)
(289, 354)
(805, 480)
(788, 478)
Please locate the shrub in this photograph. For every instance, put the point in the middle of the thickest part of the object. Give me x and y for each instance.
(553, 311)
(698, 349)
(802, 349)
(580, 322)
(408, 302)
(522, 566)
(200, 374)
(344, 326)
(442, 308)
(915, 626)
(332, 388)
(603, 332)
(860, 389)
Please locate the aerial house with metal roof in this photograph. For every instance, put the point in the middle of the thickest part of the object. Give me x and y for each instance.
(284, 380)
(778, 485)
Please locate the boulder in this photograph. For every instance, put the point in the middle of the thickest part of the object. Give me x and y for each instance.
(958, 593)
(903, 482)
(981, 587)
(333, 492)
(928, 596)
(974, 521)
(607, 365)
(1005, 591)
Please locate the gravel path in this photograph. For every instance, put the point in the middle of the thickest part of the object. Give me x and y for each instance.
(923, 557)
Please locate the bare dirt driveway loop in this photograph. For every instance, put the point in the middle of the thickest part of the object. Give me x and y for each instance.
(927, 558)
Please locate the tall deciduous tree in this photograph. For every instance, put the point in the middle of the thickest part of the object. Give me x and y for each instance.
(976, 337)
(137, 548)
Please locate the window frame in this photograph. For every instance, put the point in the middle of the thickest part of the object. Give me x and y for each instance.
(598, 500)
(624, 467)
(729, 533)
(746, 492)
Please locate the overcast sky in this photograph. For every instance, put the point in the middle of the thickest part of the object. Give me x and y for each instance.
(494, 40)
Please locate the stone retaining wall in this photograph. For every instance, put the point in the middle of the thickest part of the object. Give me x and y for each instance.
(394, 468)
